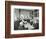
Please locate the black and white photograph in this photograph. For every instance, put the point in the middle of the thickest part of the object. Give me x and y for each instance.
(25, 19)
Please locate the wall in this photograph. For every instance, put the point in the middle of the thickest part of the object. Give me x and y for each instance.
(2, 20)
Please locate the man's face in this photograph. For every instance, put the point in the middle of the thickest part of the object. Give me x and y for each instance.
(22, 16)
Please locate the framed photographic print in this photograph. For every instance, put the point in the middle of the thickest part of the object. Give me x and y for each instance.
(24, 19)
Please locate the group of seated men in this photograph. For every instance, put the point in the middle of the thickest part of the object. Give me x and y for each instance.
(26, 24)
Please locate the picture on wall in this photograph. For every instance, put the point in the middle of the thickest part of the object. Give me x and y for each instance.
(24, 19)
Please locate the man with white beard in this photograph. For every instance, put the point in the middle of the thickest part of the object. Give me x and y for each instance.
(21, 23)
(21, 17)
